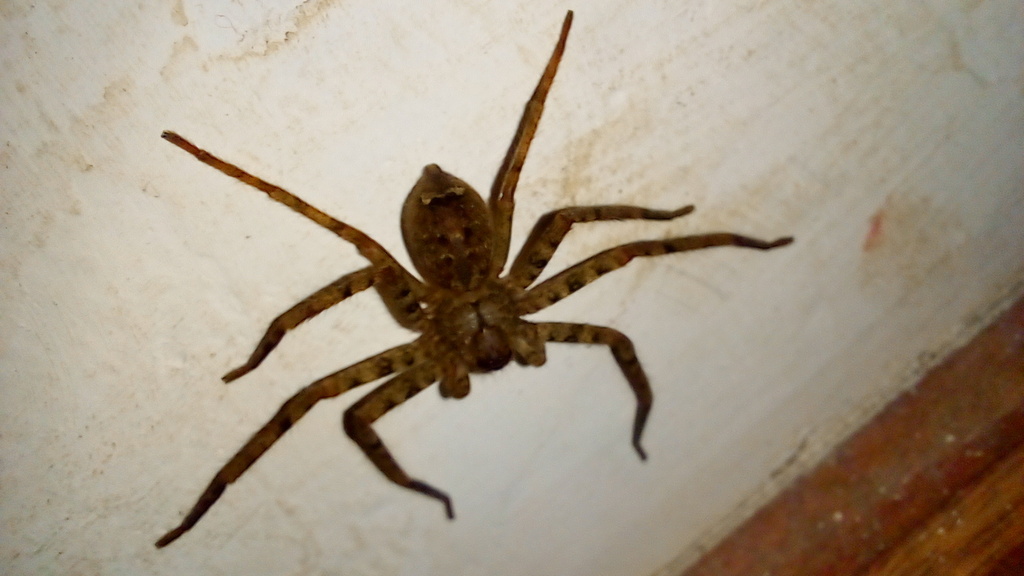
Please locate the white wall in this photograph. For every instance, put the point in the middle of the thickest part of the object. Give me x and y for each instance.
(885, 135)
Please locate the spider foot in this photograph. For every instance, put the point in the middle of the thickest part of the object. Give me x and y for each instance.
(236, 373)
(640, 450)
(170, 537)
(781, 242)
(427, 489)
(681, 211)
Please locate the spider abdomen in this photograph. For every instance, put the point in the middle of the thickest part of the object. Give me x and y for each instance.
(447, 231)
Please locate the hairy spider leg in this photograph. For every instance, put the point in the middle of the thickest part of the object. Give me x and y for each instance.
(366, 246)
(625, 356)
(551, 228)
(502, 199)
(575, 277)
(368, 370)
(400, 302)
(309, 307)
(401, 299)
(376, 403)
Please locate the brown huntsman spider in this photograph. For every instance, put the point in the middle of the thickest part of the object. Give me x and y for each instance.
(469, 317)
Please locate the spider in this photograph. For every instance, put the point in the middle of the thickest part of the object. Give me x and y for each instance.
(468, 315)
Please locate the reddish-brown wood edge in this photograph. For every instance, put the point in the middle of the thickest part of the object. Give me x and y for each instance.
(895, 473)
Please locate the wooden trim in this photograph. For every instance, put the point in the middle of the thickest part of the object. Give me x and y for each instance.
(938, 449)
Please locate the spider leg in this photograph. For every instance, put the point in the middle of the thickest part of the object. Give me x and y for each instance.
(369, 408)
(309, 307)
(291, 411)
(401, 298)
(367, 246)
(454, 381)
(400, 302)
(625, 356)
(551, 228)
(502, 199)
(575, 277)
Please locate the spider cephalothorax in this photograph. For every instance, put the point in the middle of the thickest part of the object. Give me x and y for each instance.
(469, 316)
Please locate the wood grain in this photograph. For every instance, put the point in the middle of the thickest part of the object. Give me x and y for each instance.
(971, 536)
